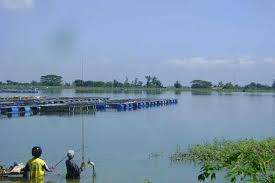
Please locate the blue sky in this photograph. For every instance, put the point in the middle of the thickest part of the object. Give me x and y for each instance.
(228, 40)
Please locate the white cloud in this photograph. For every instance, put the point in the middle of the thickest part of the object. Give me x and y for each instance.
(203, 62)
(16, 4)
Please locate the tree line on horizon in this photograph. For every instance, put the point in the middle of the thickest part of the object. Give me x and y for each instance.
(56, 80)
(150, 82)
(231, 86)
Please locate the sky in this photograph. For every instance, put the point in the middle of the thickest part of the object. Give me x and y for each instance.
(215, 40)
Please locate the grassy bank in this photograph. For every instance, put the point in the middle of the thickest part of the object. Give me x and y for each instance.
(176, 90)
(136, 90)
(124, 89)
(243, 160)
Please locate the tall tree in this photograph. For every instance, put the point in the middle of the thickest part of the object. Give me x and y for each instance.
(254, 85)
(78, 82)
(157, 83)
(154, 81)
(136, 82)
(201, 84)
(117, 84)
(51, 80)
(89, 83)
(139, 84)
(99, 83)
(109, 84)
(34, 83)
(220, 84)
(126, 83)
(177, 84)
(228, 86)
(10, 82)
(148, 80)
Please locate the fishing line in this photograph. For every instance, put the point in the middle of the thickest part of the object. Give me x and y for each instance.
(83, 164)
(82, 123)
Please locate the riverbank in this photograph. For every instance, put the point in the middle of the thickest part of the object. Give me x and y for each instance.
(246, 160)
(135, 89)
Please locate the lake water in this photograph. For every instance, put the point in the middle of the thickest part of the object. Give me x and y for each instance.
(120, 142)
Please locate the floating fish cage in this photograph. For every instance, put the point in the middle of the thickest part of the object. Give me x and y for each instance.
(19, 91)
(134, 104)
(18, 109)
(67, 108)
(33, 105)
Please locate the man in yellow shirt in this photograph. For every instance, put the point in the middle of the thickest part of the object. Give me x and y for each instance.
(36, 166)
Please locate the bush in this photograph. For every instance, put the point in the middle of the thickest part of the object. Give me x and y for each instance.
(247, 160)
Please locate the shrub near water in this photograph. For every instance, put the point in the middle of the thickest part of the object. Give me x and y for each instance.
(245, 160)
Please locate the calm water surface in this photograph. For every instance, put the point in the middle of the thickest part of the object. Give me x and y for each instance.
(120, 142)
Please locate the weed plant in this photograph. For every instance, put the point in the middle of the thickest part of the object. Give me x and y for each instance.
(246, 160)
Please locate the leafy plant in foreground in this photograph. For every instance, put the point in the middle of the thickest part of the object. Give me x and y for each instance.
(147, 180)
(244, 160)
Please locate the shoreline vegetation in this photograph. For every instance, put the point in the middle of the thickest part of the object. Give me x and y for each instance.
(246, 160)
(132, 89)
(152, 83)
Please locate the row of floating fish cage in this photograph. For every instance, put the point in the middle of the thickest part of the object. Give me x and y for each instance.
(18, 109)
(19, 91)
(84, 105)
(44, 101)
(139, 104)
(51, 108)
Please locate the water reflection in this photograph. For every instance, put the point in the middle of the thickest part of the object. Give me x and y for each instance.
(22, 114)
(251, 94)
(90, 179)
(178, 92)
(66, 114)
(22, 180)
(52, 91)
(154, 92)
(225, 93)
(72, 181)
(60, 114)
(201, 92)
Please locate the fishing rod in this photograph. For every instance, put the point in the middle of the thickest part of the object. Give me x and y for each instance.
(83, 135)
(82, 125)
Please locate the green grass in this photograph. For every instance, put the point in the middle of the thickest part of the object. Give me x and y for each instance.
(134, 89)
(245, 160)
(124, 89)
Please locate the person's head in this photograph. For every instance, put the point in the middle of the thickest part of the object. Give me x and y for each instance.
(36, 151)
(70, 154)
